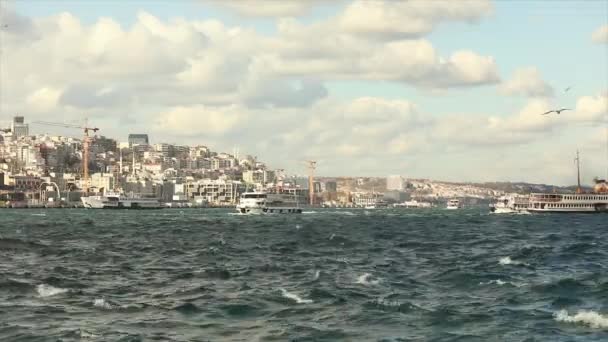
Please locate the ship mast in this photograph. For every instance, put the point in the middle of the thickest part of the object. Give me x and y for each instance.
(578, 173)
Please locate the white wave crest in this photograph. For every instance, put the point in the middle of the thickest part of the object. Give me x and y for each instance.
(365, 279)
(508, 261)
(500, 282)
(332, 236)
(295, 297)
(590, 318)
(45, 290)
(101, 303)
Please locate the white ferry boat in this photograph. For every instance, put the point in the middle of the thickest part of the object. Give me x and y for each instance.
(593, 202)
(579, 202)
(112, 200)
(510, 204)
(268, 203)
(413, 204)
(454, 204)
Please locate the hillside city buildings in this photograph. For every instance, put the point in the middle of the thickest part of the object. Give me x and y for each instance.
(45, 169)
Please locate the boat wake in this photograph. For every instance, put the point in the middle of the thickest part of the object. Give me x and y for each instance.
(590, 318)
(45, 290)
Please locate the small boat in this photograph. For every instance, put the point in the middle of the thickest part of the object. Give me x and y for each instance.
(268, 203)
(115, 200)
(510, 204)
(454, 204)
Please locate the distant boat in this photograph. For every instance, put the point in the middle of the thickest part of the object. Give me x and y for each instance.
(268, 203)
(454, 204)
(112, 200)
(414, 204)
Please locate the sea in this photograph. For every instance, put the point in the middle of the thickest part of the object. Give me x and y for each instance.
(324, 275)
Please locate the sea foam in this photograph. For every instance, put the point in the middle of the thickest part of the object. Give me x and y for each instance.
(590, 318)
(365, 279)
(295, 297)
(101, 303)
(508, 261)
(45, 290)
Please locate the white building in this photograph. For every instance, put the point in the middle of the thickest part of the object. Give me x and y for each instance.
(102, 181)
(395, 182)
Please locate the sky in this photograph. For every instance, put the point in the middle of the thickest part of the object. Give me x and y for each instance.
(447, 90)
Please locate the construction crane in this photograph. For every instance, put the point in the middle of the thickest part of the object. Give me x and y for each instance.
(85, 146)
(312, 165)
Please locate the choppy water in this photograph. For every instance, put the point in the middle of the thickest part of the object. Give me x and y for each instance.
(326, 275)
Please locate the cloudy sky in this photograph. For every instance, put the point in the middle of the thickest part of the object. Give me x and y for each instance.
(450, 90)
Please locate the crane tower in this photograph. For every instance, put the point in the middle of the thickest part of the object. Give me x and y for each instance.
(85, 147)
(312, 165)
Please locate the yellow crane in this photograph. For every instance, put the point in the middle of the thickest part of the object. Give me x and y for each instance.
(85, 146)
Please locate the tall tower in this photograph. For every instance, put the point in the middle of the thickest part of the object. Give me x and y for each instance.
(312, 165)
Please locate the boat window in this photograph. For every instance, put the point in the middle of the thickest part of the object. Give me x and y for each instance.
(254, 196)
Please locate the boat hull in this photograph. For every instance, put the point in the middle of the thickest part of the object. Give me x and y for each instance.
(267, 210)
(100, 203)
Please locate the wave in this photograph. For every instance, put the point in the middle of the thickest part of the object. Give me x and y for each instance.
(366, 279)
(295, 297)
(508, 261)
(45, 290)
(16, 244)
(14, 286)
(590, 318)
(500, 282)
(102, 303)
(187, 308)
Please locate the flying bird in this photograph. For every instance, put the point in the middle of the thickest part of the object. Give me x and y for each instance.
(556, 111)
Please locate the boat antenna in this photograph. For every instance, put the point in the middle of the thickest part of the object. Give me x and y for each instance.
(578, 172)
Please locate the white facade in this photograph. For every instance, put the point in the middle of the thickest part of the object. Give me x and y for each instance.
(102, 180)
(395, 182)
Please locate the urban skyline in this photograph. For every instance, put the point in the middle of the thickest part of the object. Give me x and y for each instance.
(432, 99)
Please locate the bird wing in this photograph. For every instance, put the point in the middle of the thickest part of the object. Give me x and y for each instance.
(549, 112)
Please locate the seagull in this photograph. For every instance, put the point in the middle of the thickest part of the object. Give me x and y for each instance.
(566, 90)
(556, 111)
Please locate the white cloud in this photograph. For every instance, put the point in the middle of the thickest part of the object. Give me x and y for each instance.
(593, 109)
(200, 120)
(600, 36)
(269, 8)
(43, 99)
(407, 19)
(527, 82)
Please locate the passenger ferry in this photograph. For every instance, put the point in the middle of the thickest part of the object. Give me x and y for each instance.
(268, 203)
(115, 200)
(579, 202)
(454, 204)
(510, 204)
(593, 202)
